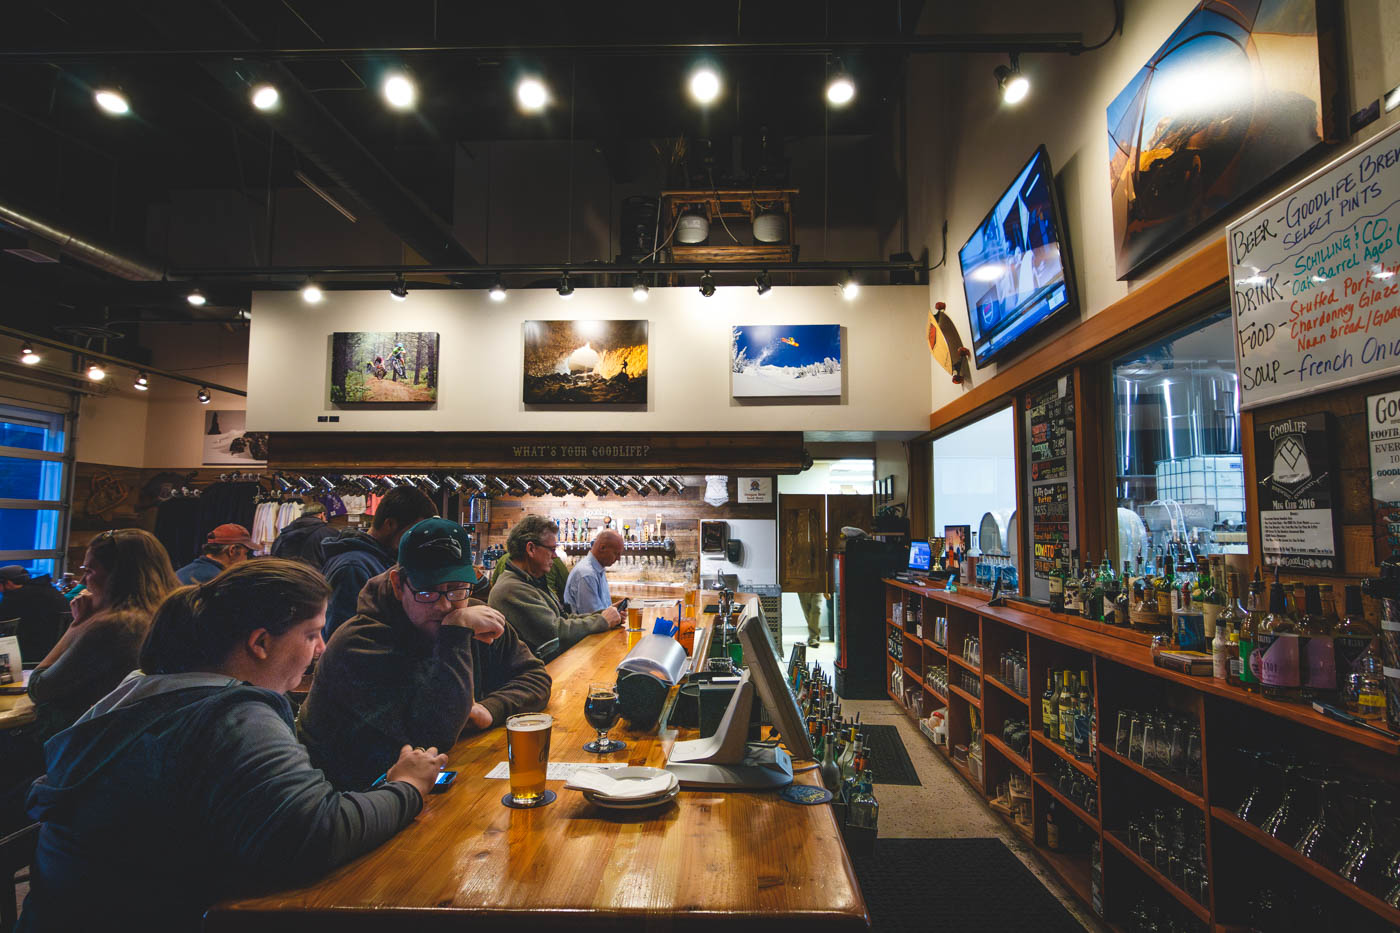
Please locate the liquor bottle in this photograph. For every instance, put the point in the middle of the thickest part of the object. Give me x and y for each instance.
(1228, 614)
(1249, 634)
(1166, 591)
(1057, 588)
(1052, 828)
(830, 772)
(1351, 636)
(1093, 585)
(1049, 715)
(1365, 690)
(1072, 606)
(865, 809)
(1232, 634)
(1211, 599)
(1082, 726)
(1277, 645)
(1315, 650)
(1220, 654)
(1108, 581)
(1123, 598)
(1066, 710)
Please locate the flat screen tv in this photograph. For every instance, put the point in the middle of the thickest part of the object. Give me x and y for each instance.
(1015, 266)
(920, 556)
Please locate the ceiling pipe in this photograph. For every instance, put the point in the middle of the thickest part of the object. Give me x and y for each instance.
(81, 248)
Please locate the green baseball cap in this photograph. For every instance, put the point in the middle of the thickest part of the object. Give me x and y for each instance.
(436, 551)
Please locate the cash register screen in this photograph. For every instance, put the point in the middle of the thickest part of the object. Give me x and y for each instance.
(920, 558)
(773, 689)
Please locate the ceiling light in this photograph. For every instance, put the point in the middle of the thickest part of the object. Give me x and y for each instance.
(640, 292)
(399, 290)
(531, 94)
(707, 284)
(840, 89)
(27, 356)
(400, 91)
(196, 299)
(704, 84)
(95, 372)
(203, 395)
(142, 383)
(498, 290)
(566, 288)
(265, 97)
(850, 288)
(113, 102)
(763, 284)
(311, 292)
(1014, 85)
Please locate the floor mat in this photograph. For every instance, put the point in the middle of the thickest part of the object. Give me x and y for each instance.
(889, 759)
(968, 885)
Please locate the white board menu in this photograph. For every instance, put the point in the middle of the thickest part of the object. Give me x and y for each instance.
(1315, 289)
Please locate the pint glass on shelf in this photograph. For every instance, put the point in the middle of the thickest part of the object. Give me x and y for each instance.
(527, 748)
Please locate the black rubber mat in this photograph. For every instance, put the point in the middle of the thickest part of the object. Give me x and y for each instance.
(889, 759)
(967, 885)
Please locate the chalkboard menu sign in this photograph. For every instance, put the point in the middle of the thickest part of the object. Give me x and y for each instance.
(1297, 492)
(1049, 426)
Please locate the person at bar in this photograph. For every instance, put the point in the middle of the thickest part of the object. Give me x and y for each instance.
(350, 559)
(587, 587)
(301, 539)
(419, 664)
(556, 577)
(524, 597)
(40, 608)
(186, 785)
(226, 545)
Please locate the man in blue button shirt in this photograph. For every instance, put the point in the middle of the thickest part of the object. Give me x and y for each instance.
(586, 590)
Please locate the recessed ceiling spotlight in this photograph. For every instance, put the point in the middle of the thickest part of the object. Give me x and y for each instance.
(531, 94)
(704, 84)
(142, 383)
(399, 290)
(203, 395)
(265, 97)
(1014, 85)
(399, 90)
(311, 292)
(763, 284)
(112, 101)
(498, 290)
(95, 372)
(707, 284)
(840, 88)
(640, 292)
(851, 287)
(196, 299)
(27, 356)
(566, 288)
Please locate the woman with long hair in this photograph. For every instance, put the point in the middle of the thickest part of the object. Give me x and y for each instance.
(186, 784)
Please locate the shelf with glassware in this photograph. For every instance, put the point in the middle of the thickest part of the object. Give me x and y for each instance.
(1176, 715)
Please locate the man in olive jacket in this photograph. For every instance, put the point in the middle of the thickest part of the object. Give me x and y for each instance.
(524, 597)
(418, 665)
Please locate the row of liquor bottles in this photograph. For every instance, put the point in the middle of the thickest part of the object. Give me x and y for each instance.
(1144, 597)
(1067, 714)
(840, 745)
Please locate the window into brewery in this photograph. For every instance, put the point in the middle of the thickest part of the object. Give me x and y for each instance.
(974, 485)
(33, 447)
(1180, 476)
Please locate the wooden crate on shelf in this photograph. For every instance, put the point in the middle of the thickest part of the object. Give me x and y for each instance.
(722, 205)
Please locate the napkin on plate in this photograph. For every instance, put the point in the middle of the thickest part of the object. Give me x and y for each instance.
(600, 782)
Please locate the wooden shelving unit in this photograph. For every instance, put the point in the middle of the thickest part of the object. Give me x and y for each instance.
(1116, 659)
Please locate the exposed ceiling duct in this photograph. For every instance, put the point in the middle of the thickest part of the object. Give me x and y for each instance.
(81, 248)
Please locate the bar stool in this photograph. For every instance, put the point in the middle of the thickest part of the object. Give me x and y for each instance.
(16, 852)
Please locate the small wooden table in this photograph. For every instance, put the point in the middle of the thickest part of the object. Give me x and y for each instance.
(743, 861)
(16, 709)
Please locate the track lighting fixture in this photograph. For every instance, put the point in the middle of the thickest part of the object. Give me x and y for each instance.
(399, 290)
(639, 487)
(850, 288)
(281, 483)
(535, 486)
(311, 292)
(593, 486)
(704, 84)
(614, 486)
(388, 482)
(566, 288)
(498, 290)
(95, 372)
(399, 90)
(365, 483)
(326, 483)
(433, 486)
(531, 95)
(675, 484)
(142, 383)
(516, 487)
(304, 485)
(763, 283)
(640, 292)
(474, 483)
(203, 395)
(196, 299)
(27, 356)
(707, 284)
(112, 101)
(840, 89)
(265, 97)
(1014, 86)
(453, 484)
(659, 486)
(498, 484)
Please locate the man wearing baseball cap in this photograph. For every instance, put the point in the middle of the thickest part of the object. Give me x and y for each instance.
(227, 545)
(419, 664)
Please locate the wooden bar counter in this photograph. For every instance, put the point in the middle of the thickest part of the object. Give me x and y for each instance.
(739, 861)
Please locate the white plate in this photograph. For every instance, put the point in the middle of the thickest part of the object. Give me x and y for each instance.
(642, 804)
(636, 774)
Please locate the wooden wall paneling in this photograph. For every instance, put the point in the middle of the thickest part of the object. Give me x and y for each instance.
(919, 501)
(1026, 557)
(1092, 439)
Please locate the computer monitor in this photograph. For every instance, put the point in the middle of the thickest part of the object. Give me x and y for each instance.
(920, 556)
(773, 688)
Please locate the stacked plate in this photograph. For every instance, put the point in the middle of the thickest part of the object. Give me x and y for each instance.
(632, 788)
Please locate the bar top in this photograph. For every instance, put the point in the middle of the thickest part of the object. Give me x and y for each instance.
(746, 860)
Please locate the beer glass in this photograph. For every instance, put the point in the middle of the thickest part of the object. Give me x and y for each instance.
(602, 712)
(527, 748)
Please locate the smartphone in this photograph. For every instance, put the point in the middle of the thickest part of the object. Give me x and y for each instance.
(621, 605)
(444, 781)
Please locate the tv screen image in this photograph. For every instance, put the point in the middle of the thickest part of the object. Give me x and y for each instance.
(920, 556)
(1016, 264)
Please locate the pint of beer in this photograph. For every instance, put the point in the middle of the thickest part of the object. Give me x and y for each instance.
(527, 748)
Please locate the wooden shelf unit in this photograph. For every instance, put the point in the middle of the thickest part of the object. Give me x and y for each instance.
(1109, 651)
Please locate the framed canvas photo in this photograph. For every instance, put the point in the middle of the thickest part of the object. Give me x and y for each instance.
(785, 361)
(384, 368)
(227, 444)
(1236, 95)
(585, 363)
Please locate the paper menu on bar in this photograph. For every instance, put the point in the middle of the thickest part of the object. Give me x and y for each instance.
(557, 770)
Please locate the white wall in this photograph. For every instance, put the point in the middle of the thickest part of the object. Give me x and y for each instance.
(760, 563)
(886, 359)
(987, 142)
(974, 472)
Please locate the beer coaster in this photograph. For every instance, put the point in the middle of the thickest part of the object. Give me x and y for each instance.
(548, 798)
(806, 794)
(614, 745)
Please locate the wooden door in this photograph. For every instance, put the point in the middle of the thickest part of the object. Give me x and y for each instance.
(802, 543)
(847, 510)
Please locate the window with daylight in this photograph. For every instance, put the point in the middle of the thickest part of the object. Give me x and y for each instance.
(33, 465)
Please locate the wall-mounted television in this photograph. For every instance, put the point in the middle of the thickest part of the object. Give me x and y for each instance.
(1016, 266)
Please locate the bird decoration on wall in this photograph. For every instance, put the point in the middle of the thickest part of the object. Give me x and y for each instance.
(946, 345)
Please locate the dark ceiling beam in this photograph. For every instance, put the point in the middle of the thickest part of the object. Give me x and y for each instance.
(1029, 43)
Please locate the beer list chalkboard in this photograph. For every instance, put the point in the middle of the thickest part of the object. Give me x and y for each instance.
(1049, 426)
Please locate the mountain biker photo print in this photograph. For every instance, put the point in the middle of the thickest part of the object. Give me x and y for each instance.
(384, 368)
